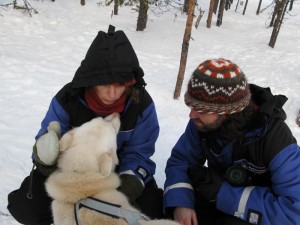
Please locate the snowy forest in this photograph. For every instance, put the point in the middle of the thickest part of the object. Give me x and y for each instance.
(42, 43)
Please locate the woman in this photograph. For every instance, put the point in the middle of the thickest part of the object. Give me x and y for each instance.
(108, 80)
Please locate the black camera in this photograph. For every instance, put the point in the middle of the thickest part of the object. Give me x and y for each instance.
(238, 176)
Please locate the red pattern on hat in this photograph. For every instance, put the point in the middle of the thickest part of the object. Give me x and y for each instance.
(218, 86)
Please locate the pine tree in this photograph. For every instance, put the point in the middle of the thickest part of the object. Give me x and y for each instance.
(185, 49)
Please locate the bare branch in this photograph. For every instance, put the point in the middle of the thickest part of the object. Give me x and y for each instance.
(27, 7)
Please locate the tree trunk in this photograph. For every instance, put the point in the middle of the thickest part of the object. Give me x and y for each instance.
(258, 8)
(216, 6)
(245, 7)
(210, 13)
(228, 4)
(291, 5)
(237, 4)
(274, 14)
(220, 13)
(199, 18)
(142, 18)
(279, 18)
(185, 49)
(185, 6)
(116, 7)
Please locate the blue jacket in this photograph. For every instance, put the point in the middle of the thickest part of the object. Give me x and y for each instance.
(136, 138)
(271, 152)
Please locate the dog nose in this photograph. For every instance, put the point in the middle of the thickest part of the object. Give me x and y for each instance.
(112, 116)
(116, 115)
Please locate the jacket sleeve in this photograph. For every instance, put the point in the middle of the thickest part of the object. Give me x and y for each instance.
(186, 153)
(138, 145)
(55, 113)
(279, 204)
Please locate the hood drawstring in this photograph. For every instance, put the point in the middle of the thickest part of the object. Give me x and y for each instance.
(29, 194)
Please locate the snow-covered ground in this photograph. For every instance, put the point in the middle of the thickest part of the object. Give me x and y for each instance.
(39, 54)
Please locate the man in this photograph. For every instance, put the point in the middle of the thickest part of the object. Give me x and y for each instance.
(237, 161)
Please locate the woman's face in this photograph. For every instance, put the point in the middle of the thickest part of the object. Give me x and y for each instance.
(110, 93)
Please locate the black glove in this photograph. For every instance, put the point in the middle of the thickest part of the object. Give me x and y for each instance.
(206, 181)
(131, 186)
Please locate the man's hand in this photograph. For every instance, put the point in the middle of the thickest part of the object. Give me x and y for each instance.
(185, 216)
(206, 181)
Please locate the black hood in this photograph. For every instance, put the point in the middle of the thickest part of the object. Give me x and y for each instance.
(269, 104)
(110, 59)
(263, 106)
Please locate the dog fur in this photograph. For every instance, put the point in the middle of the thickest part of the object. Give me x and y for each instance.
(86, 169)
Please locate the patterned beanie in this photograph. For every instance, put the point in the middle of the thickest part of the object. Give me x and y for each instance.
(218, 86)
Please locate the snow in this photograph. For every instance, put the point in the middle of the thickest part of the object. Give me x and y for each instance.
(39, 54)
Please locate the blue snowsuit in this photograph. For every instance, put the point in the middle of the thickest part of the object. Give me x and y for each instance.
(136, 138)
(269, 152)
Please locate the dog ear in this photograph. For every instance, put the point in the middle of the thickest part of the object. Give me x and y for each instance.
(66, 140)
(105, 164)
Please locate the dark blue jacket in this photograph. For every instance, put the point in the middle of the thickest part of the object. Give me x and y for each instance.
(136, 138)
(270, 151)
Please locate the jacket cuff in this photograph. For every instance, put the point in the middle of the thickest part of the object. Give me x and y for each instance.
(179, 196)
(228, 198)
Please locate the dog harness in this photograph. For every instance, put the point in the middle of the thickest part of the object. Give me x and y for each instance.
(109, 209)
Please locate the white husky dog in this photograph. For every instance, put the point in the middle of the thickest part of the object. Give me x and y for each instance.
(86, 169)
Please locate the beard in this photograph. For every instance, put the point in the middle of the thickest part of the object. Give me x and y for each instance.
(209, 127)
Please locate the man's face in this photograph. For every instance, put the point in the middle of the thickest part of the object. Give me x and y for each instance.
(206, 122)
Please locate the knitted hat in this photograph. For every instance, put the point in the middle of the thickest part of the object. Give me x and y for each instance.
(217, 86)
(110, 59)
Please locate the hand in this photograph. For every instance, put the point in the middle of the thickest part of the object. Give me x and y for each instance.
(185, 216)
(131, 186)
(206, 181)
(46, 148)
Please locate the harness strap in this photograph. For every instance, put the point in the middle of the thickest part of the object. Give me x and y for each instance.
(29, 193)
(109, 209)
